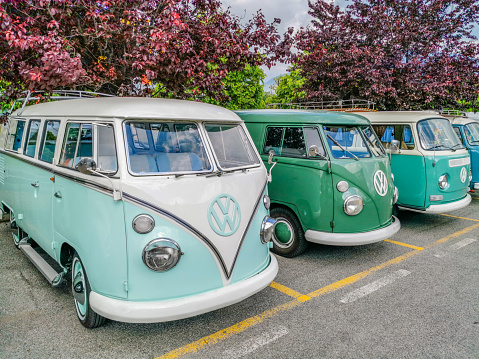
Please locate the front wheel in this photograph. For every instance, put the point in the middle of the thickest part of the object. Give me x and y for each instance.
(288, 235)
(81, 296)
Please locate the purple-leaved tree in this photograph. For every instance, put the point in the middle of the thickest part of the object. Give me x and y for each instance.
(398, 53)
(122, 47)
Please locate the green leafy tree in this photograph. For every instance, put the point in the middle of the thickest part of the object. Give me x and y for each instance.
(287, 88)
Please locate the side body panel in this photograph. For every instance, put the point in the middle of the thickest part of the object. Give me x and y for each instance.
(410, 179)
(93, 223)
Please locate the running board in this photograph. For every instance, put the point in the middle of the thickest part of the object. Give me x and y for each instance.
(54, 278)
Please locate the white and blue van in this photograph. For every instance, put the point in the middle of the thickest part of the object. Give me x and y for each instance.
(156, 208)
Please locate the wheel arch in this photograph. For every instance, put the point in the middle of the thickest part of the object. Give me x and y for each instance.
(289, 207)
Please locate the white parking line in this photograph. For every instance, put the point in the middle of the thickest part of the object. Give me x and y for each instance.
(367, 289)
(455, 247)
(253, 344)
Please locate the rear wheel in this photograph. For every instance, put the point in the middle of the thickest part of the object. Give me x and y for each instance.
(81, 296)
(288, 235)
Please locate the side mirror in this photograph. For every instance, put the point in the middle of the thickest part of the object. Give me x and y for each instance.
(86, 166)
(271, 154)
(394, 146)
(313, 151)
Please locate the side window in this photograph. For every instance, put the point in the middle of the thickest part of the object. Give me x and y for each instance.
(293, 143)
(15, 135)
(458, 133)
(313, 139)
(31, 141)
(78, 144)
(402, 133)
(274, 136)
(49, 140)
(285, 141)
(107, 160)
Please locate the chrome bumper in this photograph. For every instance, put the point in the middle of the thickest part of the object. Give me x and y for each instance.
(174, 309)
(353, 239)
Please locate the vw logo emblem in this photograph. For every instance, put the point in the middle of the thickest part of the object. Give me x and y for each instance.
(224, 215)
(463, 174)
(380, 183)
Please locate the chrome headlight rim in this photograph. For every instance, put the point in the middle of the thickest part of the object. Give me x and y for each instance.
(174, 250)
(145, 218)
(443, 181)
(347, 204)
(395, 195)
(266, 201)
(267, 229)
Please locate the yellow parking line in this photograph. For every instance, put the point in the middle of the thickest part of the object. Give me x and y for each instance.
(448, 215)
(257, 319)
(292, 293)
(404, 244)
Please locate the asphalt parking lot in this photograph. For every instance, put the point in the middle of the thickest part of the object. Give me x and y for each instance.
(413, 296)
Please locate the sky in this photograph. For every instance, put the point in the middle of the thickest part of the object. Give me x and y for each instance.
(293, 13)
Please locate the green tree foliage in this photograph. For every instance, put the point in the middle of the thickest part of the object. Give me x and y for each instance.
(287, 88)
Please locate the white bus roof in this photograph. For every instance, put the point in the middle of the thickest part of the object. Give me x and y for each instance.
(399, 116)
(130, 108)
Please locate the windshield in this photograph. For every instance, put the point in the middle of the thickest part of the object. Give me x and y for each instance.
(471, 130)
(373, 141)
(155, 147)
(231, 146)
(437, 135)
(346, 141)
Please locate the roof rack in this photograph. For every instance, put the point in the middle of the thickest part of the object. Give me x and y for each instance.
(55, 96)
(337, 105)
(453, 113)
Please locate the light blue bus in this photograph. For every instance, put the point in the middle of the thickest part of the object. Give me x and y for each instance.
(141, 201)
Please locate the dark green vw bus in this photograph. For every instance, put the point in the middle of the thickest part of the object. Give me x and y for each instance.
(331, 182)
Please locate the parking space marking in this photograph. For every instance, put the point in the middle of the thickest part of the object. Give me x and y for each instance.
(374, 286)
(456, 246)
(404, 244)
(448, 215)
(258, 319)
(253, 344)
(292, 293)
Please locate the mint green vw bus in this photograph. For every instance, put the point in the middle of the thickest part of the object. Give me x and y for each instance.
(331, 182)
(142, 202)
(431, 167)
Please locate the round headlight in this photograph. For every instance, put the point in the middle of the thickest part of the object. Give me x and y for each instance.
(443, 181)
(266, 202)
(267, 229)
(353, 205)
(143, 223)
(161, 254)
(342, 186)
(396, 195)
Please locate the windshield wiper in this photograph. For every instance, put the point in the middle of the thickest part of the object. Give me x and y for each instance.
(342, 148)
(434, 147)
(453, 149)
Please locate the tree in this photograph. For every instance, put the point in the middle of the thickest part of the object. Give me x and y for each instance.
(398, 53)
(287, 88)
(244, 88)
(124, 47)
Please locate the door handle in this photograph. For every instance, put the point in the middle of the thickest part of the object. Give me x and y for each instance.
(35, 184)
(58, 195)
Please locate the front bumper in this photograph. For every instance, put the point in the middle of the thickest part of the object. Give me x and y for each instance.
(442, 208)
(353, 239)
(174, 309)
